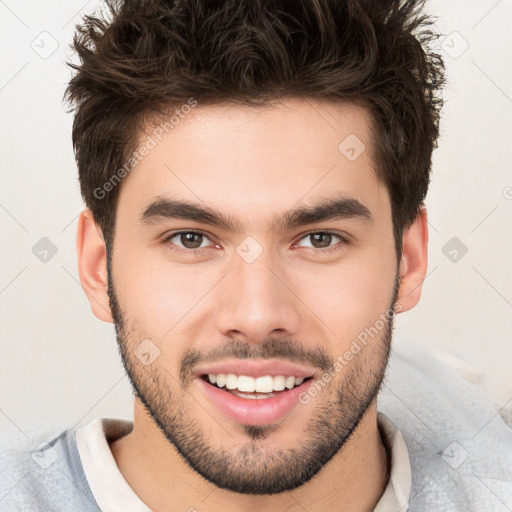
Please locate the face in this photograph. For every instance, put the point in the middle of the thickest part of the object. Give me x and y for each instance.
(249, 243)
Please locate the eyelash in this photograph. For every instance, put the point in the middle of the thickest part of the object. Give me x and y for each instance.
(198, 252)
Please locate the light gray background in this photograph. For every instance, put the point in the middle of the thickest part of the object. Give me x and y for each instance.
(58, 362)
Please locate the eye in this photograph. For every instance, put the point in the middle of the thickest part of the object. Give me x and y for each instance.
(194, 242)
(191, 241)
(322, 240)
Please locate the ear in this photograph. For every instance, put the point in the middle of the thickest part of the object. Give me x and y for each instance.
(413, 265)
(92, 265)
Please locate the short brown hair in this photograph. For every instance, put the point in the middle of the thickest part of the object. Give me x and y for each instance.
(143, 57)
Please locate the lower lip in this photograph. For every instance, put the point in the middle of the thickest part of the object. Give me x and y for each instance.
(255, 411)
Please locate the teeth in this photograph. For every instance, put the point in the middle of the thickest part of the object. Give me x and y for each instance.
(290, 382)
(253, 396)
(221, 380)
(246, 384)
(279, 383)
(265, 384)
(231, 381)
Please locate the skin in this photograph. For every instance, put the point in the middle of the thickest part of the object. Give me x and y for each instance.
(252, 164)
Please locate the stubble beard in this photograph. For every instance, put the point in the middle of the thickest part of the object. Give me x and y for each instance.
(251, 467)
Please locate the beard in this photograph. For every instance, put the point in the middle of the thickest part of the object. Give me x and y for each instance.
(251, 467)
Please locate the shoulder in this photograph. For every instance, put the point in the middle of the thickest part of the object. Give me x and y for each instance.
(460, 448)
(40, 470)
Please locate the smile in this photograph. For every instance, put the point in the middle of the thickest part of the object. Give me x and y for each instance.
(253, 400)
(250, 387)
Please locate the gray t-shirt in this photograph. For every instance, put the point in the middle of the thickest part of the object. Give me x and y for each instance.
(43, 473)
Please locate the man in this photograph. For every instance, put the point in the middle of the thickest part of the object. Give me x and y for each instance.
(254, 175)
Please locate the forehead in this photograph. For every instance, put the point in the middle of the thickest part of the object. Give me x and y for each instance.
(254, 162)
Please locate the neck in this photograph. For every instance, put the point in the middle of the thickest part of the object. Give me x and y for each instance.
(354, 479)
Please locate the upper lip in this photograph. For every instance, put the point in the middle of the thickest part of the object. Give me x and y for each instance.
(255, 368)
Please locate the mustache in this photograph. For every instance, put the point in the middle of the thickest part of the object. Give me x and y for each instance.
(288, 350)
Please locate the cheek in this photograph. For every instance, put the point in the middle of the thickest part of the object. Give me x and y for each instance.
(161, 296)
(149, 288)
(349, 296)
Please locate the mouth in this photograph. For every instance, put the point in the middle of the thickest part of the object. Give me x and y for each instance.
(254, 400)
(251, 388)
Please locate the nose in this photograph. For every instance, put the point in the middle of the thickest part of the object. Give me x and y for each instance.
(257, 301)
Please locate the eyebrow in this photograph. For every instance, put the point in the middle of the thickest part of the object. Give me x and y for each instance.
(327, 209)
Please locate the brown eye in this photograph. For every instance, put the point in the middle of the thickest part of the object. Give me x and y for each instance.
(191, 240)
(183, 241)
(323, 240)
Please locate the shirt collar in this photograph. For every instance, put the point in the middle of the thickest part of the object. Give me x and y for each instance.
(396, 495)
